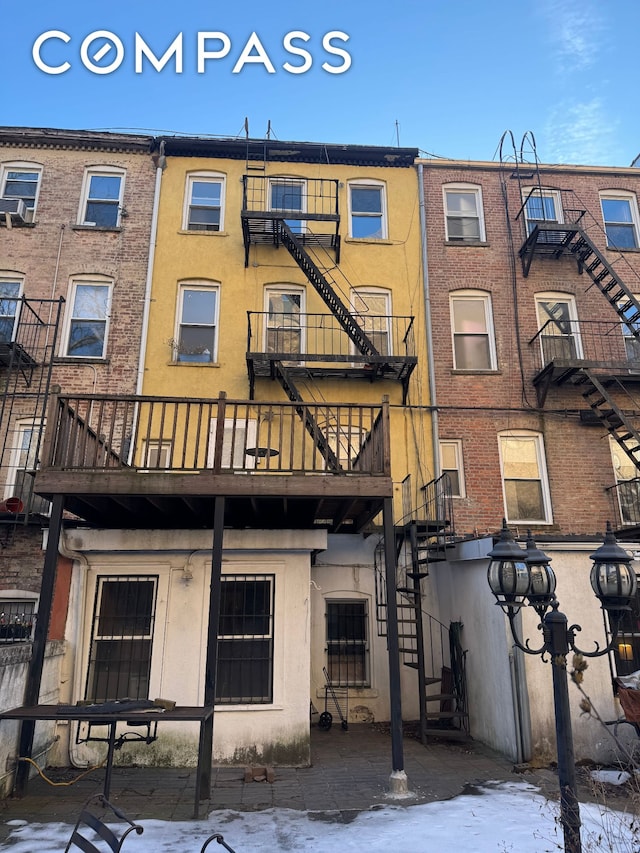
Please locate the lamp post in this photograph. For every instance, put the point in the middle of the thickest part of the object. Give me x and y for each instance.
(519, 578)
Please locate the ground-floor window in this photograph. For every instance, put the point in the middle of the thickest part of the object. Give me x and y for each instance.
(626, 650)
(245, 640)
(121, 638)
(347, 643)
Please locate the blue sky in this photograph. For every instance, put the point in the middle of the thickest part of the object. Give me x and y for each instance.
(447, 78)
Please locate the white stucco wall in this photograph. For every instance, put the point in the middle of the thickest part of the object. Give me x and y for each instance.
(182, 562)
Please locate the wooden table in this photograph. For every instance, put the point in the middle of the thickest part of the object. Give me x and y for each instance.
(146, 715)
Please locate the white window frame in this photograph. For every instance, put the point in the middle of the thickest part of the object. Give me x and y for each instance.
(197, 285)
(298, 226)
(22, 166)
(240, 435)
(285, 290)
(364, 320)
(15, 444)
(625, 471)
(538, 440)
(162, 449)
(101, 172)
(531, 193)
(203, 177)
(634, 225)
(8, 278)
(569, 300)
(454, 444)
(88, 281)
(353, 214)
(471, 189)
(485, 299)
(364, 645)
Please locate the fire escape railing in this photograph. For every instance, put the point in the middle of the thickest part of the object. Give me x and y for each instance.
(598, 343)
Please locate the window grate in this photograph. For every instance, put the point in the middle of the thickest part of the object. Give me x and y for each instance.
(347, 643)
(17, 619)
(245, 640)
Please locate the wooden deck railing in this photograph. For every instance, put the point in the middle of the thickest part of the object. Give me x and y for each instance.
(100, 432)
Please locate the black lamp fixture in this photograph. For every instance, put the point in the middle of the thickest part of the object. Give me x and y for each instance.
(518, 578)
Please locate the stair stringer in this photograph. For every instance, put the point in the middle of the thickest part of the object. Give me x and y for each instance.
(610, 414)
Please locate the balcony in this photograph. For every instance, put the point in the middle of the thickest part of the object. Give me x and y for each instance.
(549, 221)
(150, 462)
(309, 207)
(563, 347)
(316, 345)
(625, 505)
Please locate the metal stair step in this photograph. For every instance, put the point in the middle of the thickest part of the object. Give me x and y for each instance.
(445, 715)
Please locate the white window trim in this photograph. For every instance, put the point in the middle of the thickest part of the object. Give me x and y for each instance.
(22, 166)
(367, 646)
(7, 277)
(211, 177)
(476, 189)
(100, 281)
(538, 439)
(19, 428)
(369, 183)
(622, 195)
(274, 180)
(377, 292)
(479, 295)
(545, 192)
(570, 301)
(286, 289)
(456, 444)
(197, 284)
(245, 438)
(107, 171)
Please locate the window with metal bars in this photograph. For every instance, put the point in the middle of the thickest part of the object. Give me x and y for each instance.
(17, 619)
(245, 640)
(121, 638)
(347, 643)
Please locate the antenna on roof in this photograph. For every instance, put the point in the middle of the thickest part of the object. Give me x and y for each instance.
(397, 133)
(246, 126)
(269, 129)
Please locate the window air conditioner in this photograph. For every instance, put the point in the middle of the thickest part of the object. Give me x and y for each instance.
(14, 208)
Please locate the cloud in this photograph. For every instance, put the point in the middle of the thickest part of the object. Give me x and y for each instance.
(581, 133)
(577, 31)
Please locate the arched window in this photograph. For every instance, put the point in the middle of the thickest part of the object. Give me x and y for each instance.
(472, 330)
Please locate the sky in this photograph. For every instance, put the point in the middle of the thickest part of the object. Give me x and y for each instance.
(500, 818)
(447, 78)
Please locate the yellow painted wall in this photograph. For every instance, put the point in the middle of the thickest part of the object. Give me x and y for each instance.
(393, 263)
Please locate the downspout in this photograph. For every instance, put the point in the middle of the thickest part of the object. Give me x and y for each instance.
(161, 165)
(429, 333)
(521, 709)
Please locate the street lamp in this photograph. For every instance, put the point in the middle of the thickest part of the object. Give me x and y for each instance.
(519, 578)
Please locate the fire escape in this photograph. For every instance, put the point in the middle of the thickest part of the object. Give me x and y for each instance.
(600, 358)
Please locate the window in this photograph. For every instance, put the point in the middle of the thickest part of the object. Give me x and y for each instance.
(204, 203)
(620, 215)
(526, 492)
(101, 203)
(157, 454)
(24, 441)
(347, 643)
(121, 638)
(558, 324)
(22, 180)
(239, 448)
(197, 324)
(626, 652)
(628, 484)
(463, 213)
(542, 206)
(288, 194)
(451, 464)
(630, 330)
(367, 211)
(372, 309)
(10, 291)
(87, 321)
(472, 328)
(284, 331)
(17, 616)
(245, 640)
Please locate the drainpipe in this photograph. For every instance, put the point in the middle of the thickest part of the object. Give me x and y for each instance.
(427, 315)
(521, 709)
(161, 165)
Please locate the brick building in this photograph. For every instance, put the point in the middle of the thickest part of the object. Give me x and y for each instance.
(533, 283)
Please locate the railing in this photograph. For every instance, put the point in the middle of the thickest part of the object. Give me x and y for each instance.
(595, 341)
(435, 502)
(625, 503)
(311, 198)
(300, 335)
(545, 206)
(153, 434)
(17, 621)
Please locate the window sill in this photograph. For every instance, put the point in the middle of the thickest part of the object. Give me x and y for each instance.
(115, 230)
(82, 359)
(354, 692)
(466, 244)
(377, 241)
(264, 706)
(615, 249)
(193, 364)
(195, 233)
(489, 371)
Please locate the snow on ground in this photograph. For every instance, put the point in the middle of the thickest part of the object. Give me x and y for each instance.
(500, 818)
